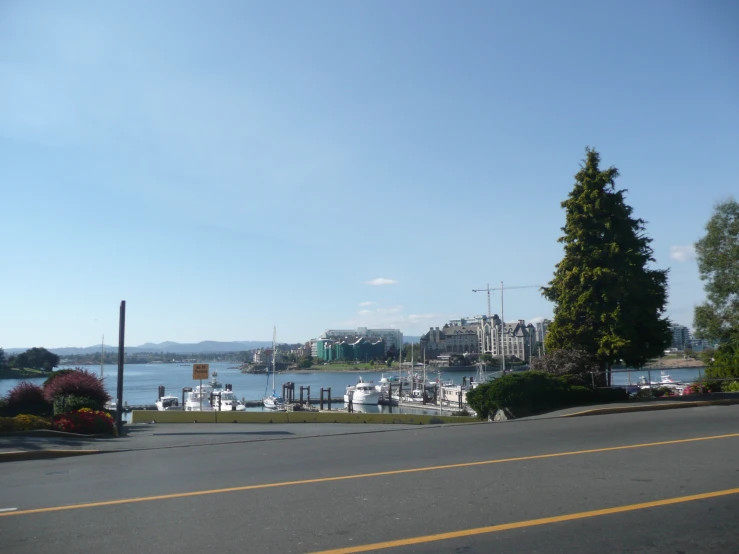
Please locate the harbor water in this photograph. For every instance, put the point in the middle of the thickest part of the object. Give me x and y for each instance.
(141, 381)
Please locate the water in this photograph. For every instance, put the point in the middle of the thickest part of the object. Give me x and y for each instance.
(140, 382)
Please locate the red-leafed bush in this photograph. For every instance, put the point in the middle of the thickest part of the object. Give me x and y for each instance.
(86, 422)
(80, 383)
(27, 398)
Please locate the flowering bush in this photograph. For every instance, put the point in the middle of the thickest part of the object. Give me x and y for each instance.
(86, 422)
(23, 422)
(26, 398)
(79, 382)
(695, 388)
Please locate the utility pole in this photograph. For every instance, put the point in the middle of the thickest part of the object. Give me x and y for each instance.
(119, 392)
(502, 330)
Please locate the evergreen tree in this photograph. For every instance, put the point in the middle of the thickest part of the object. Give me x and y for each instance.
(718, 263)
(608, 302)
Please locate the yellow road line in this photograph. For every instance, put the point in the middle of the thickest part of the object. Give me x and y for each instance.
(356, 476)
(528, 523)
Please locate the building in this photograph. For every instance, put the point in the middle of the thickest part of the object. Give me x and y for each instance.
(349, 348)
(516, 339)
(542, 328)
(392, 338)
(680, 336)
(480, 335)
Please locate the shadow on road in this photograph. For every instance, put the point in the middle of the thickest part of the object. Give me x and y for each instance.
(226, 433)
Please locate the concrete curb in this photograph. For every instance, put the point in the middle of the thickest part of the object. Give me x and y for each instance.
(651, 407)
(25, 455)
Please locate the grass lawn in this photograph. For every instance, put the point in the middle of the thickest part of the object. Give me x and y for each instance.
(12, 373)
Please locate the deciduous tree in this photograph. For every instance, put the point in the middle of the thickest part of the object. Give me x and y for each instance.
(718, 264)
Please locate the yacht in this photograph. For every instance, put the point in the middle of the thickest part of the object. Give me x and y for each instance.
(198, 399)
(362, 393)
(168, 402)
(224, 400)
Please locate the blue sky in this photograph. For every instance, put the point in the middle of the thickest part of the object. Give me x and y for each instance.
(225, 167)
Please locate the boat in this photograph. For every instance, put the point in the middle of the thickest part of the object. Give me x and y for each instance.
(362, 393)
(274, 401)
(224, 400)
(199, 399)
(168, 402)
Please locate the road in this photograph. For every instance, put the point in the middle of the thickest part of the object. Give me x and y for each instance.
(664, 482)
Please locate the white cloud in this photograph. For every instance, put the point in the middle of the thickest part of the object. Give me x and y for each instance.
(537, 319)
(381, 281)
(415, 318)
(393, 310)
(367, 303)
(682, 253)
(365, 312)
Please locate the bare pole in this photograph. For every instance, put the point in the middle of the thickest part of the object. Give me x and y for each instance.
(119, 392)
(502, 329)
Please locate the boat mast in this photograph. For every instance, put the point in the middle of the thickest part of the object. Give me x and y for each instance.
(274, 357)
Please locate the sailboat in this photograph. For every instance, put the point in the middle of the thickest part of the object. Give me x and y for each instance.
(274, 401)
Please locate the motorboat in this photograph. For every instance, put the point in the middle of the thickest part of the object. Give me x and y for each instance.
(168, 402)
(362, 393)
(199, 399)
(224, 400)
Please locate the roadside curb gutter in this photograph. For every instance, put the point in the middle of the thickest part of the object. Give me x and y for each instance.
(45, 454)
(652, 407)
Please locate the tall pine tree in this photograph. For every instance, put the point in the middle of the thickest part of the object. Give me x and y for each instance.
(608, 302)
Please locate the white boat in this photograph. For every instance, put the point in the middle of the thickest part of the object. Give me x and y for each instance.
(274, 401)
(198, 399)
(362, 393)
(226, 401)
(168, 402)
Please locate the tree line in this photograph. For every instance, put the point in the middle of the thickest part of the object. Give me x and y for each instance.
(33, 358)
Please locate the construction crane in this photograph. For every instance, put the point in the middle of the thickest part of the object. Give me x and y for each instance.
(488, 289)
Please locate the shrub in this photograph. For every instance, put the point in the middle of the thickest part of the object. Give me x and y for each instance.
(605, 395)
(23, 422)
(524, 393)
(3, 406)
(27, 398)
(732, 386)
(71, 403)
(59, 374)
(80, 383)
(86, 422)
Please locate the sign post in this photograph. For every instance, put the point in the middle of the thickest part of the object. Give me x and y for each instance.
(200, 371)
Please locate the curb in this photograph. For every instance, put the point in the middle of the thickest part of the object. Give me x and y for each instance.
(25, 455)
(651, 407)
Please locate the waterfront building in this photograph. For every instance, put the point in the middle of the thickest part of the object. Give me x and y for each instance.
(392, 338)
(349, 348)
(680, 336)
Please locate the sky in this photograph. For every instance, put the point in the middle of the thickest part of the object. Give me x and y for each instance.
(227, 167)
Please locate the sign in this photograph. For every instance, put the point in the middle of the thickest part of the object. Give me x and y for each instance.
(200, 371)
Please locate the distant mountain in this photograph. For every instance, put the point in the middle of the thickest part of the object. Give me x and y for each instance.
(173, 347)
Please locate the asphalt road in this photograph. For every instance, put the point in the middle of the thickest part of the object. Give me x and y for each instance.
(636, 482)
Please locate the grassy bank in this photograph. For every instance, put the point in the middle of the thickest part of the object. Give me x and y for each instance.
(27, 373)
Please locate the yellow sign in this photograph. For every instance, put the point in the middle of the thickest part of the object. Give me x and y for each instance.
(200, 371)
